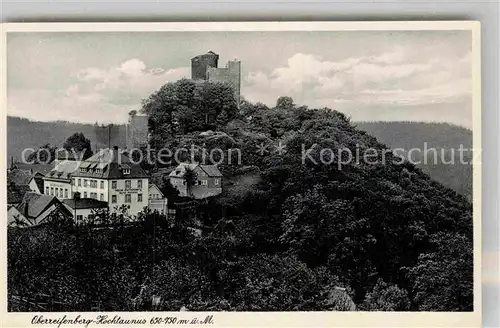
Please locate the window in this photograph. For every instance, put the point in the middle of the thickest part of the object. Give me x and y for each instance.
(84, 194)
(139, 197)
(113, 199)
(85, 183)
(65, 193)
(128, 198)
(126, 171)
(47, 190)
(79, 218)
(52, 191)
(216, 181)
(113, 184)
(93, 195)
(73, 182)
(102, 184)
(203, 182)
(139, 184)
(79, 182)
(128, 184)
(101, 196)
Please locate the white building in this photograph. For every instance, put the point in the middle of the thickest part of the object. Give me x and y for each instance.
(58, 181)
(111, 177)
(157, 201)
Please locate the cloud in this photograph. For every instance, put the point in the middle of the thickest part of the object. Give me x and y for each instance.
(396, 77)
(96, 94)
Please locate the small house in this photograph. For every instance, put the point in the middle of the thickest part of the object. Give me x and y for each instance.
(196, 181)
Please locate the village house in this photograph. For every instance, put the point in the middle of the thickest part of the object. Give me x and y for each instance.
(111, 177)
(36, 209)
(207, 180)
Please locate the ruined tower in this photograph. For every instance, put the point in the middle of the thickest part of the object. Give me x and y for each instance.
(200, 63)
(204, 67)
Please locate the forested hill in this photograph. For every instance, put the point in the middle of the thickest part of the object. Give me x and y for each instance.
(409, 135)
(287, 230)
(23, 133)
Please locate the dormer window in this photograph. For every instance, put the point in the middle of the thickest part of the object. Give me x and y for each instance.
(126, 171)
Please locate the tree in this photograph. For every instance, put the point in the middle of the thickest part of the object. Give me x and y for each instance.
(44, 155)
(78, 143)
(443, 279)
(285, 103)
(386, 297)
(190, 178)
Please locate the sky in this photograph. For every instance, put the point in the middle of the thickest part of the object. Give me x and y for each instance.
(368, 75)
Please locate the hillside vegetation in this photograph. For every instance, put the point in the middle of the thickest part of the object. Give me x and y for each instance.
(285, 235)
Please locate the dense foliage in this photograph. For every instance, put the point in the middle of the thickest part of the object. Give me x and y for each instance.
(286, 234)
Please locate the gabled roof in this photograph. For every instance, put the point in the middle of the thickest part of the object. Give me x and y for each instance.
(64, 169)
(41, 168)
(36, 203)
(180, 170)
(154, 186)
(211, 170)
(39, 181)
(84, 203)
(109, 164)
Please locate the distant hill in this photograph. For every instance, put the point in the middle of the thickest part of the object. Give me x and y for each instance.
(23, 133)
(409, 135)
(442, 136)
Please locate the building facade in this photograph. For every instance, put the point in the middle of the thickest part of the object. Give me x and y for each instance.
(111, 177)
(58, 182)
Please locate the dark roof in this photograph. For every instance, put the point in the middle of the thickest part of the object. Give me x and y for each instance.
(19, 177)
(39, 182)
(211, 170)
(85, 203)
(37, 203)
(16, 193)
(111, 164)
(41, 168)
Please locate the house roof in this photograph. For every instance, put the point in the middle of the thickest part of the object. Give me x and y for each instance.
(64, 169)
(63, 154)
(180, 170)
(41, 168)
(154, 186)
(110, 163)
(38, 181)
(15, 193)
(36, 203)
(204, 193)
(211, 170)
(84, 203)
(19, 177)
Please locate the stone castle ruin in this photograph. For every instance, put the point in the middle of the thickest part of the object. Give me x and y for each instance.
(205, 68)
